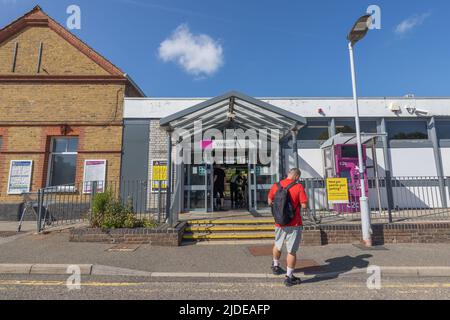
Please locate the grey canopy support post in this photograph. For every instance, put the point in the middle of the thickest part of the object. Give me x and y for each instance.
(332, 127)
(438, 161)
(169, 215)
(295, 148)
(387, 169)
(377, 176)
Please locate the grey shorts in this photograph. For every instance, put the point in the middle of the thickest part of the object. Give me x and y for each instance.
(291, 235)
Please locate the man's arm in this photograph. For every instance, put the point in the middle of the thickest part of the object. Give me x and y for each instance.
(303, 198)
(271, 195)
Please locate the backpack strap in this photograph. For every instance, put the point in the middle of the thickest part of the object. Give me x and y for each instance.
(291, 185)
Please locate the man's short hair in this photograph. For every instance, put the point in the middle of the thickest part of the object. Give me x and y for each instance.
(295, 172)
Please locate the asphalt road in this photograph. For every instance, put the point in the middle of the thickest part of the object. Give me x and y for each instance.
(54, 287)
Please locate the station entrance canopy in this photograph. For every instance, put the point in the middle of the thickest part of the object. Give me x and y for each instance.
(235, 110)
(195, 184)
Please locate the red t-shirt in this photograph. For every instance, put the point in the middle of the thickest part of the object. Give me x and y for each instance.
(298, 197)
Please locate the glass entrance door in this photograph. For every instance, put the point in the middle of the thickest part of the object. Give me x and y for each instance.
(198, 188)
(265, 179)
(194, 187)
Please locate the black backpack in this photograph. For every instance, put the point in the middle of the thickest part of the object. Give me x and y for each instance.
(282, 209)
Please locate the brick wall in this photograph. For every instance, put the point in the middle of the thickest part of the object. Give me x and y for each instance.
(158, 144)
(382, 233)
(33, 111)
(58, 56)
(161, 236)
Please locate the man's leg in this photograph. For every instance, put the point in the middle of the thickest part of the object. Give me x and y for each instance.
(276, 251)
(276, 255)
(292, 243)
(291, 260)
(233, 196)
(222, 199)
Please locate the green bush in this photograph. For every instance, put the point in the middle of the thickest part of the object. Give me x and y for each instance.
(109, 212)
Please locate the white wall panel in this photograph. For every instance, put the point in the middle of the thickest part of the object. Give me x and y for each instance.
(413, 162)
(445, 154)
(311, 163)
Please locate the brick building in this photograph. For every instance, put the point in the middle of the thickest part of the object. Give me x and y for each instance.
(61, 103)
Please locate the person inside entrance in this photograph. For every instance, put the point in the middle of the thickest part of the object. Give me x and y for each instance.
(219, 188)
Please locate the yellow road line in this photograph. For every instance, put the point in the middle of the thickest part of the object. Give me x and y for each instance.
(44, 283)
(63, 283)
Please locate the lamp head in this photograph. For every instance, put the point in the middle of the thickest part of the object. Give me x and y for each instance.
(360, 29)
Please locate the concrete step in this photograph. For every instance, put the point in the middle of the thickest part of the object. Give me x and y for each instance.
(228, 236)
(231, 222)
(231, 228)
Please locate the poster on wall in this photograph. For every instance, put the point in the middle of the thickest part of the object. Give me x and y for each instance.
(94, 170)
(337, 190)
(159, 175)
(20, 176)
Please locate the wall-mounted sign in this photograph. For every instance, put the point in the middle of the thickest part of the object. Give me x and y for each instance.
(20, 172)
(159, 175)
(337, 190)
(229, 144)
(94, 171)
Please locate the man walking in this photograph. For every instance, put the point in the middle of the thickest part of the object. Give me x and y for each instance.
(219, 187)
(290, 233)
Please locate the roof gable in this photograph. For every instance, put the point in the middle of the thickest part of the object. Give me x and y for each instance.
(38, 18)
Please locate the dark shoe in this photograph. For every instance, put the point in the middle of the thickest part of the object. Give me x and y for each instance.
(277, 270)
(292, 281)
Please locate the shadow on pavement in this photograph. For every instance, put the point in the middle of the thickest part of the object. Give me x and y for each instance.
(335, 267)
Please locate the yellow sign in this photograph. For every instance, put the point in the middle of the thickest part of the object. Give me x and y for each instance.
(159, 175)
(337, 190)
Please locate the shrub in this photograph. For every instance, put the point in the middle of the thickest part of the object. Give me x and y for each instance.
(109, 212)
(100, 206)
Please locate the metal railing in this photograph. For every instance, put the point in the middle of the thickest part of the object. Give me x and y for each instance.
(390, 200)
(71, 204)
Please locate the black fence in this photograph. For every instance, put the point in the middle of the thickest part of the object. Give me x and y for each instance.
(390, 200)
(71, 204)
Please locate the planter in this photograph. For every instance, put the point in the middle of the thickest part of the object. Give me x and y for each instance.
(163, 235)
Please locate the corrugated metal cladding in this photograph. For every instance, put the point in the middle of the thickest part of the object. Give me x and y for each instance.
(135, 150)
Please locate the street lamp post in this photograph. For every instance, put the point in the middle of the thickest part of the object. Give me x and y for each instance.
(358, 32)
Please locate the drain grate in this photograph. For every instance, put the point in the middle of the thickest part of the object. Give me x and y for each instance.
(124, 248)
(374, 248)
(6, 234)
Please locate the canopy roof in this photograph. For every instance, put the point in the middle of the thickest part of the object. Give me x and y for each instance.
(235, 110)
(350, 138)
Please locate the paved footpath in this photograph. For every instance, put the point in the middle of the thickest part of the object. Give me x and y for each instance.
(208, 260)
(35, 267)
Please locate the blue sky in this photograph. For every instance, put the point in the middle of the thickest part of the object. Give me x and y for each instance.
(263, 47)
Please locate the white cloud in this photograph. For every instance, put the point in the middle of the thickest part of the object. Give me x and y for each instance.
(412, 22)
(199, 55)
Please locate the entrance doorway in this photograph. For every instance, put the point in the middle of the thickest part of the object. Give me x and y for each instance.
(246, 187)
(265, 125)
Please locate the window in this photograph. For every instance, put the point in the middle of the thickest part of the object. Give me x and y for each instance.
(442, 128)
(349, 126)
(63, 161)
(408, 130)
(314, 130)
(349, 152)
